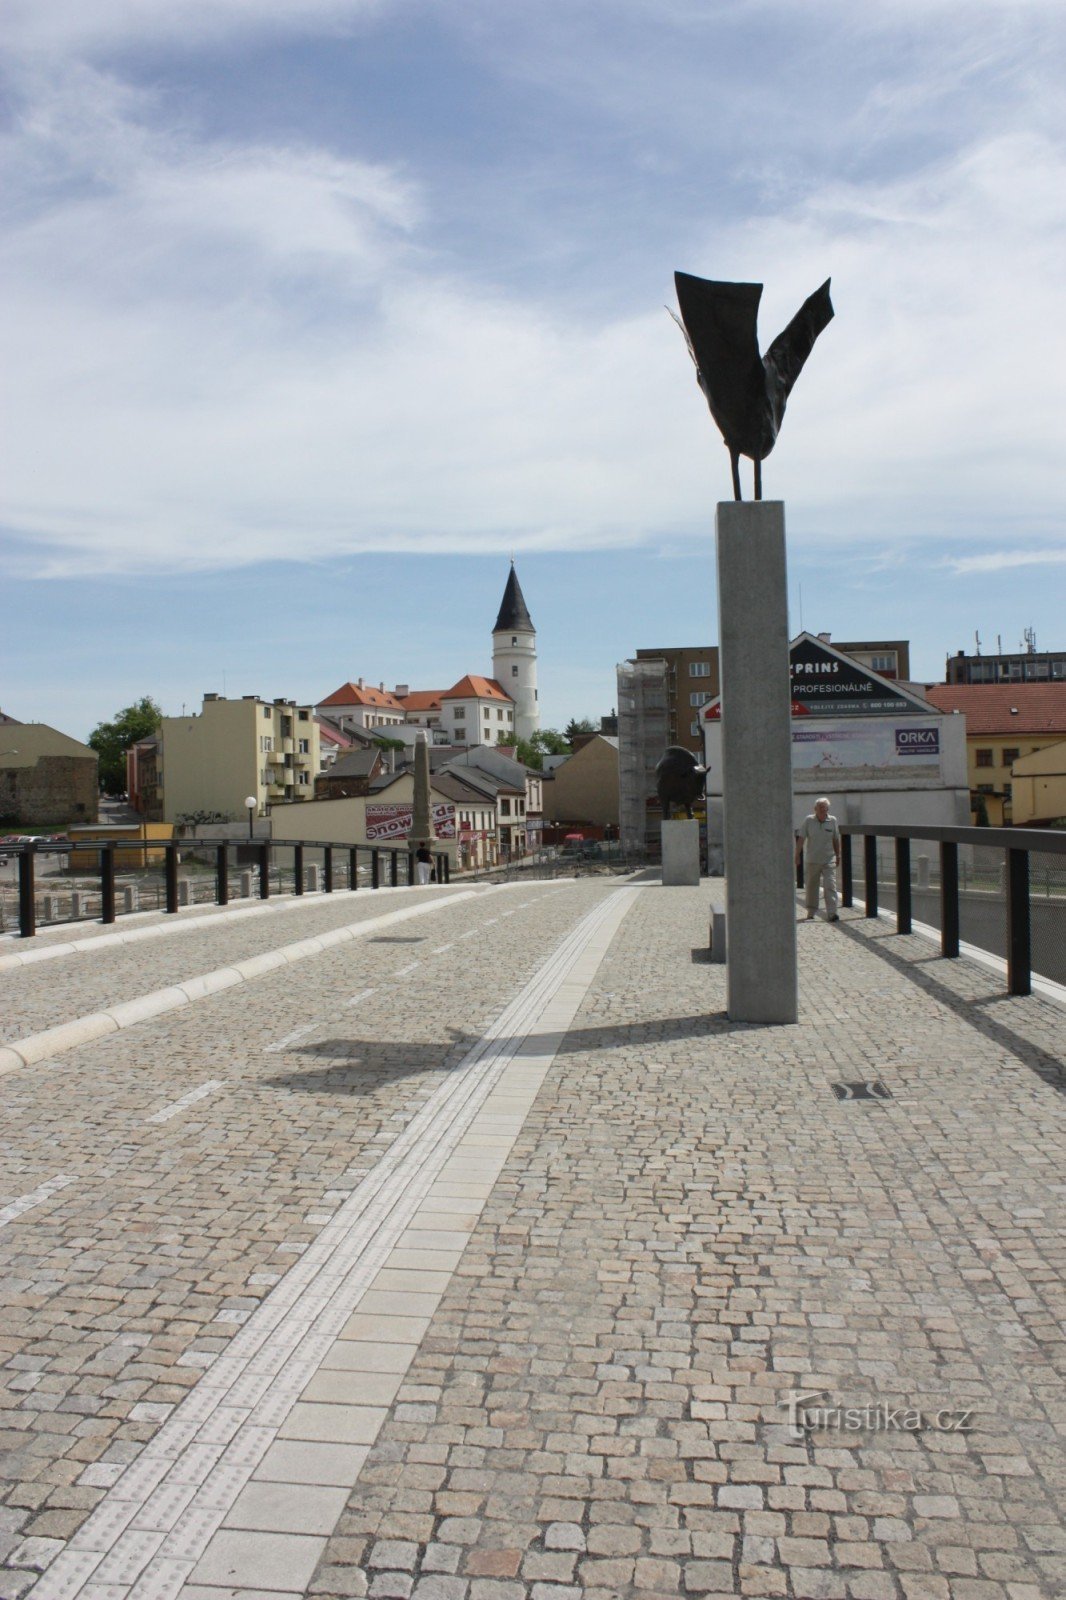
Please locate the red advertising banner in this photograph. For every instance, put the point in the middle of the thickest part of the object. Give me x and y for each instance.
(394, 822)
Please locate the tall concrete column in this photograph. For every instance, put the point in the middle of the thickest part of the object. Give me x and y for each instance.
(760, 877)
(421, 822)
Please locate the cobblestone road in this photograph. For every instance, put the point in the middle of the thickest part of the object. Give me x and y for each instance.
(598, 1354)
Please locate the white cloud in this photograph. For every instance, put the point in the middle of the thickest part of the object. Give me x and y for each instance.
(230, 353)
(1005, 560)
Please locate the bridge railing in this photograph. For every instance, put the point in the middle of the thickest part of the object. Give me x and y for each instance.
(1002, 890)
(104, 878)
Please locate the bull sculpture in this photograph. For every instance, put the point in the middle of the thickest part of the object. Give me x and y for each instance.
(679, 780)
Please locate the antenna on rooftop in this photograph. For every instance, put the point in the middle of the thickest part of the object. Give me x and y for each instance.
(1030, 640)
(977, 641)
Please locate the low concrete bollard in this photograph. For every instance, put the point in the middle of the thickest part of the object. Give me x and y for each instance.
(717, 935)
(77, 903)
(312, 877)
(922, 863)
(49, 908)
(184, 892)
(246, 885)
(129, 897)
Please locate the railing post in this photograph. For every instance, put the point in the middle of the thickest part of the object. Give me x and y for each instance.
(799, 871)
(903, 886)
(446, 858)
(846, 886)
(222, 875)
(1019, 953)
(107, 883)
(171, 877)
(327, 869)
(870, 863)
(949, 900)
(264, 871)
(375, 870)
(353, 868)
(412, 875)
(298, 867)
(394, 868)
(27, 897)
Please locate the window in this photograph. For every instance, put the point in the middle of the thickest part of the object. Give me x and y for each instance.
(699, 697)
(266, 742)
(304, 746)
(983, 758)
(514, 638)
(505, 807)
(304, 778)
(1008, 791)
(460, 713)
(510, 716)
(699, 669)
(304, 716)
(694, 729)
(514, 672)
(1009, 757)
(499, 714)
(986, 788)
(266, 712)
(884, 663)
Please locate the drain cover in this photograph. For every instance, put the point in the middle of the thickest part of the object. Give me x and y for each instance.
(872, 1089)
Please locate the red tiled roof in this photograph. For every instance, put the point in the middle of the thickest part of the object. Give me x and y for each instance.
(350, 694)
(474, 688)
(422, 700)
(1004, 708)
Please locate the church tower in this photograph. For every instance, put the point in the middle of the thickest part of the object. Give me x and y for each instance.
(514, 657)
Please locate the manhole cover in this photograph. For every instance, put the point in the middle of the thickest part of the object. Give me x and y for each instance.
(871, 1089)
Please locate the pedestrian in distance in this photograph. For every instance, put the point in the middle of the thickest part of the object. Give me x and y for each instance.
(424, 862)
(818, 844)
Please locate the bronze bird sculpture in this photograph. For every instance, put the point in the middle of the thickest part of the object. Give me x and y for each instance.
(746, 393)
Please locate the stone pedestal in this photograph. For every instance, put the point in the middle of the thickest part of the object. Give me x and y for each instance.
(760, 876)
(681, 853)
(718, 946)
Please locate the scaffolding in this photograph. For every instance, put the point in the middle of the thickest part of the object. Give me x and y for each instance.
(642, 738)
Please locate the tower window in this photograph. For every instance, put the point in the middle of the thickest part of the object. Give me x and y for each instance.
(514, 638)
(514, 672)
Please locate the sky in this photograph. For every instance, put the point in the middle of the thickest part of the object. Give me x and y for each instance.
(317, 312)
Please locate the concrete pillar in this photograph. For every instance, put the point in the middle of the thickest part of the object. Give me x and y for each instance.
(760, 875)
(184, 892)
(77, 903)
(922, 864)
(311, 876)
(718, 950)
(129, 897)
(681, 852)
(49, 908)
(246, 885)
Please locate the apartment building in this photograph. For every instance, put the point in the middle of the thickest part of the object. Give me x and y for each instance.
(1005, 723)
(232, 750)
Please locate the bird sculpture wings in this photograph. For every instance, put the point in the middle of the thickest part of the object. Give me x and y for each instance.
(746, 393)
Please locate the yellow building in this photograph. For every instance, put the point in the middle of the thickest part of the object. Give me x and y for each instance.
(213, 761)
(1038, 787)
(1005, 723)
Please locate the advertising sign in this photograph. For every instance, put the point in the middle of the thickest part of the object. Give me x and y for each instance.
(865, 751)
(823, 685)
(394, 822)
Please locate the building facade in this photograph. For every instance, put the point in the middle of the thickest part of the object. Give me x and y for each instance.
(233, 750)
(584, 788)
(1020, 666)
(46, 777)
(1004, 723)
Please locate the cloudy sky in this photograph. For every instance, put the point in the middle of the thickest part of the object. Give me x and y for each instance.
(317, 311)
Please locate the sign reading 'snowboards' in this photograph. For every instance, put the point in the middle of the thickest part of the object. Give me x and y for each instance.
(824, 685)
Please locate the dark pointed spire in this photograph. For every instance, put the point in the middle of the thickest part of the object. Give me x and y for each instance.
(514, 613)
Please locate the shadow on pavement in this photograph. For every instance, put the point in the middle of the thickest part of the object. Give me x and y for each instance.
(1051, 1068)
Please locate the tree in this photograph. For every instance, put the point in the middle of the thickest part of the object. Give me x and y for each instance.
(111, 740)
(582, 725)
(545, 742)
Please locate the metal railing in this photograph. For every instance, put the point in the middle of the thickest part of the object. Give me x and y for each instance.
(996, 894)
(264, 867)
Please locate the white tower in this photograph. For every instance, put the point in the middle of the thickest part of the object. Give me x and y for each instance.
(514, 657)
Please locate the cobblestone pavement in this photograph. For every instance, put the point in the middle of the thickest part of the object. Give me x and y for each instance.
(586, 1391)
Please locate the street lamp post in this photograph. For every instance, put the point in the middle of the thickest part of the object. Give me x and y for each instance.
(253, 806)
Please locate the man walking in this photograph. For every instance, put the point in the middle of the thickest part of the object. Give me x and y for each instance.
(818, 842)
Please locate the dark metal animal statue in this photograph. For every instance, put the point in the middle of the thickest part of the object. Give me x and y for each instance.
(679, 779)
(746, 393)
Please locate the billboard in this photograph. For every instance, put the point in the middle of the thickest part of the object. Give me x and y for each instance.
(393, 822)
(859, 751)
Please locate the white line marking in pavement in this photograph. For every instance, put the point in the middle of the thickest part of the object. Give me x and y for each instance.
(53, 1041)
(401, 972)
(489, 921)
(471, 935)
(26, 1202)
(189, 1099)
(439, 951)
(364, 994)
(148, 1521)
(290, 1038)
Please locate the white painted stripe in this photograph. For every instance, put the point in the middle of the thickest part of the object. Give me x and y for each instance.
(187, 1100)
(54, 1041)
(401, 972)
(357, 999)
(36, 1197)
(290, 1038)
(243, 1399)
(439, 951)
